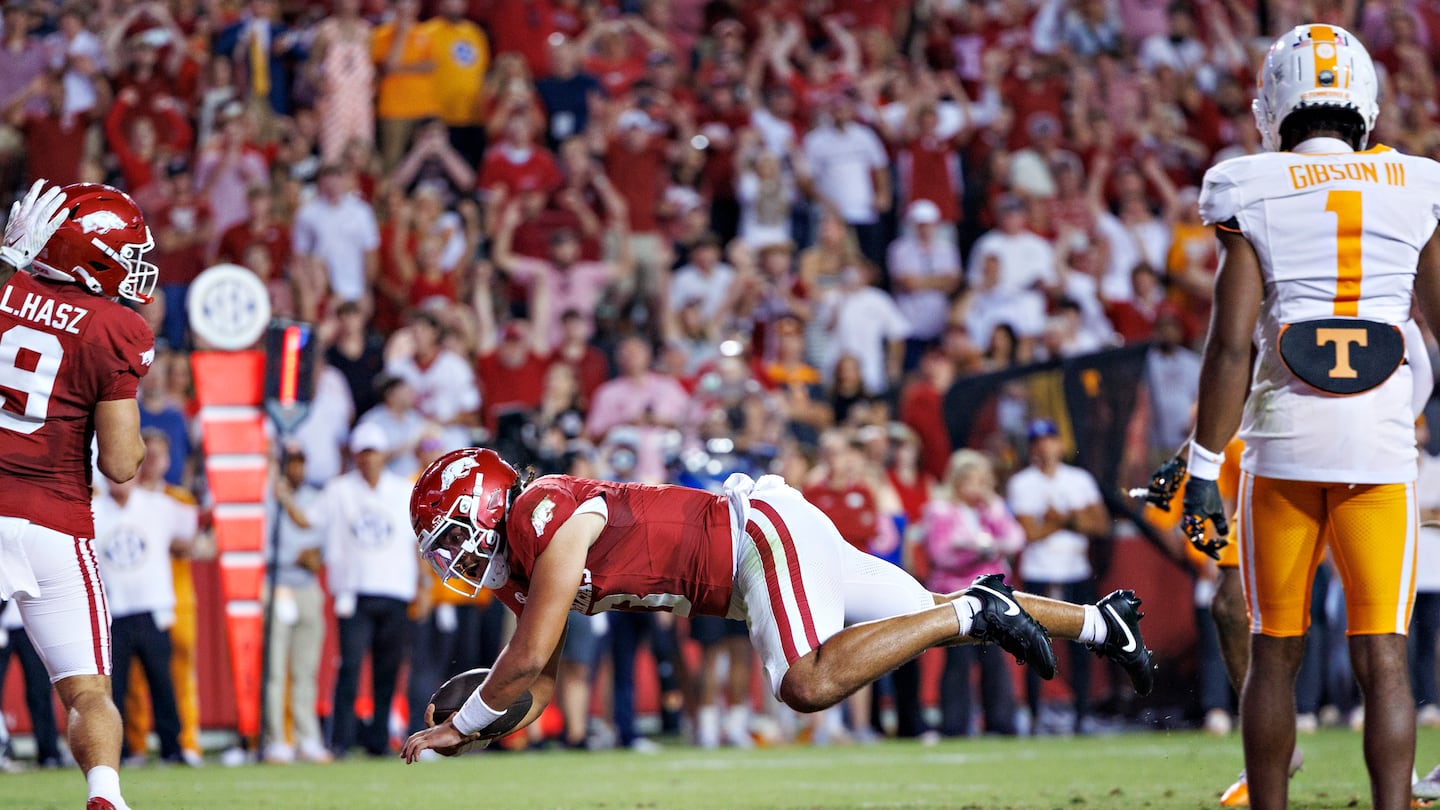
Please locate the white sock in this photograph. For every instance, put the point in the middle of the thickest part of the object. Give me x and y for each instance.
(737, 724)
(1095, 631)
(965, 609)
(707, 726)
(104, 783)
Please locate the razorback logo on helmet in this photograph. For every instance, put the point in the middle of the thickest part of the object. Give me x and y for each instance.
(101, 222)
(455, 470)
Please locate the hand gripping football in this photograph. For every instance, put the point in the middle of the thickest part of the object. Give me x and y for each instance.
(452, 694)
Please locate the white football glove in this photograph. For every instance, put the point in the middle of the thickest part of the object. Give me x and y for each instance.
(33, 220)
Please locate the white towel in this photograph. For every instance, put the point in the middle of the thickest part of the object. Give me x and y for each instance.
(739, 489)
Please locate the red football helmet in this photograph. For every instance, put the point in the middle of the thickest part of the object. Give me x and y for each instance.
(457, 508)
(101, 244)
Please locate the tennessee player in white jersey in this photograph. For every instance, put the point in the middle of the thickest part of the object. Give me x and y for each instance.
(1324, 244)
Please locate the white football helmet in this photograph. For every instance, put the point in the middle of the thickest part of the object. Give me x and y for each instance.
(1314, 66)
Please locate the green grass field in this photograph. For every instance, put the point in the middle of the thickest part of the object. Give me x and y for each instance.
(1159, 770)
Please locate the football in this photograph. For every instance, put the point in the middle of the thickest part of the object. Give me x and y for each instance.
(452, 694)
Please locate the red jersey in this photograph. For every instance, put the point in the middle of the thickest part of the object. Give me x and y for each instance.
(506, 389)
(644, 174)
(663, 548)
(851, 509)
(517, 172)
(62, 351)
(238, 238)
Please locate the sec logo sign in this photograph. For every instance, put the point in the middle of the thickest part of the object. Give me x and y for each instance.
(229, 307)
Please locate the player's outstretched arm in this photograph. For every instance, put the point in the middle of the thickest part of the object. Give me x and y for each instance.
(531, 659)
(117, 432)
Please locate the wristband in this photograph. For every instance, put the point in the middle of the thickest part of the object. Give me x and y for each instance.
(1204, 464)
(474, 715)
(14, 258)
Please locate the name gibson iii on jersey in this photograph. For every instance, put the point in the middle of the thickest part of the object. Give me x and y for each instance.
(44, 310)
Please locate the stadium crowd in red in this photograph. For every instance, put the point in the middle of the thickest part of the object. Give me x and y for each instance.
(670, 239)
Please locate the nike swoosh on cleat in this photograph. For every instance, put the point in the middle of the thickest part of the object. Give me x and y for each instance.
(1013, 609)
(1129, 639)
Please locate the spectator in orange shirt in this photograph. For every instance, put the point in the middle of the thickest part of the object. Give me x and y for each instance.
(404, 55)
(462, 55)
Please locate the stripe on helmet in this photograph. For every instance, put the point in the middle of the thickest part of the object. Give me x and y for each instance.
(1324, 47)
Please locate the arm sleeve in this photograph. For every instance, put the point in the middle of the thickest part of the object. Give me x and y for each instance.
(1220, 200)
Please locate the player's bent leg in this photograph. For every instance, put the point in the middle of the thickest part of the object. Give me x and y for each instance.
(860, 654)
(1382, 670)
(875, 589)
(1232, 625)
(794, 584)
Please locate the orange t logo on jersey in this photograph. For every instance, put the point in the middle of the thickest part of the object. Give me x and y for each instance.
(1343, 340)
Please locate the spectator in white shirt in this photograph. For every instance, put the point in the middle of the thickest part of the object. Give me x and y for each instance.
(402, 424)
(1178, 50)
(867, 324)
(80, 54)
(134, 531)
(445, 389)
(1060, 508)
(322, 435)
(773, 122)
(925, 269)
(337, 231)
(1026, 260)
(1172, 378)
(848, 171)
(373, 573)
(705, 278)
(991, 304)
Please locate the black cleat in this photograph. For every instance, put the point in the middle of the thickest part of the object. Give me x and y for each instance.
(1123, 644)
(1002, 621)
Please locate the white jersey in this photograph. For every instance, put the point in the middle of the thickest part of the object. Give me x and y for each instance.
(1338, 234)
(133, 548)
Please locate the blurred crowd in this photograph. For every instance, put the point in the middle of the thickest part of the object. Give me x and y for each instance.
(667, 240)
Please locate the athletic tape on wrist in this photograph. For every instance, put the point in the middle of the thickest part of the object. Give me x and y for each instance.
(1205, 464)
(474, 715)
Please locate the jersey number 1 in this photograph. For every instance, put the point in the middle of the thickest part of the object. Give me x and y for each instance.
(1345, 205)
(33, 383)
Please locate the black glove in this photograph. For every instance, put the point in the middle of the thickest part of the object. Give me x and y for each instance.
(1165, 482)
(1203, 502)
